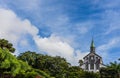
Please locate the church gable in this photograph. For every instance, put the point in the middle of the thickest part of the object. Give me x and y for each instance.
(92, 54)
(92, 61)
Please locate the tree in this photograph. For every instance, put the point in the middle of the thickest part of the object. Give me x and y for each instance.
(90, 75)
(5, 44)
(13, 68)
(74, 72)
(111, 71)
(28, 57)
(55, 66)
(116, 67)
(10, 65)
(80, 62)
(119, 59)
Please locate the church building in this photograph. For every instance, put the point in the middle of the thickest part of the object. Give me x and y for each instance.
(92, 62)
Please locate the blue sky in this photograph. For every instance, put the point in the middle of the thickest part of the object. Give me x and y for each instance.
(62, 27)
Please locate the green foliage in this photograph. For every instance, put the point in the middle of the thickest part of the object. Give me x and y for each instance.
(9, 63)
(5, 44)
(42, 73)
(46, 66)
(111, 71)
(28, 57)
(13, 67)
(74, 72)
(90, 75)
(24, 67)
(80, 62)
(52, 65)
(31, 74)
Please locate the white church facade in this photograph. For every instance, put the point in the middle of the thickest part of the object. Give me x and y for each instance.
(92, 62)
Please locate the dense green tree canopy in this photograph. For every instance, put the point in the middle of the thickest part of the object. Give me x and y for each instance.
(5, 44)
(52, 65)
(9, 65)
(111, 71)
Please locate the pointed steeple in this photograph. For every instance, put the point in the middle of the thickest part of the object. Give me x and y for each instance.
(92, 43)
(92, 47)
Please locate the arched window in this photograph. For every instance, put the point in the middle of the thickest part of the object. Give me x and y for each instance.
(98, 64)
(86, 66)
(92, 62)
(91, 65)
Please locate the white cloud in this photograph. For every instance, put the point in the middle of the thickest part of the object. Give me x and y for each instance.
(16, 31)
(13, 28)
(55, 46)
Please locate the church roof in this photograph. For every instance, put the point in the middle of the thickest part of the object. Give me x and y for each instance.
(91, 53)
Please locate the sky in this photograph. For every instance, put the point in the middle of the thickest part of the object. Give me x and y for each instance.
(62, 27)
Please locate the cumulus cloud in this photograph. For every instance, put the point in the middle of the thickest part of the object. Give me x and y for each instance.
(13, 28)
(55, 46)
(16, 31)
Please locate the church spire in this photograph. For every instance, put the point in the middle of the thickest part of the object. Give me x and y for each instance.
(92, 47)
(92, 43)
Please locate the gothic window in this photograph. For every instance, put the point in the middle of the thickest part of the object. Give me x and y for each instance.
(86, 66)
(91, 65)
(97, 64)
(92, 62)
